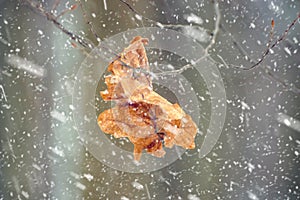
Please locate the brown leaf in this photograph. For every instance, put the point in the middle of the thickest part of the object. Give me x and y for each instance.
(132, 58)
(142, 115)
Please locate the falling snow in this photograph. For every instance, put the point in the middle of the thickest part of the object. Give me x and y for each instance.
(137, 185)
(51, 75)
(197, 33)
(58, 116)
(193, 197)
(192, 18)
(252, 196)
(289, 121)
(23, 64)
(287, 51)
(80, 186)
(105, 4)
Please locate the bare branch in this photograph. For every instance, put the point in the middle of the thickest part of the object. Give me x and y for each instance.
(89, 45)
(206, 54)
(51, 17)
(157, 24)
(239, 47)
(269, 47)
(56, 3)
(287, 86)
(73, 7)
(268, 74)
(217, 26)
(137, 13)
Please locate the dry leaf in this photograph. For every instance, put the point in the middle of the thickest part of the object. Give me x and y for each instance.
(147, 119)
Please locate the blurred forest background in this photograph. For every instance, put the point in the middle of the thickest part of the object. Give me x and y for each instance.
(257, 155)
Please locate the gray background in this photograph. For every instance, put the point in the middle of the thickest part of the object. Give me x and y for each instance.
(256, 157)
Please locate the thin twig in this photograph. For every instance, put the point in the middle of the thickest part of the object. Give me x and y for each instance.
(52, 18)
(136, 12)
(268, 74)
(284, 84)
(282, 37)
(184, 68)
(238, 46)
(73, 7)
(210, 45)
(217, 26)
(157, 24)
(56, 3)
(271, 33)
